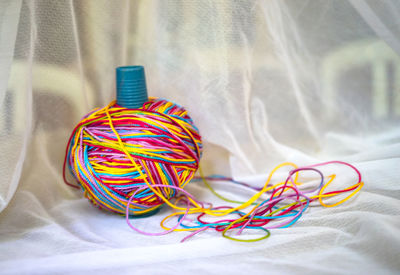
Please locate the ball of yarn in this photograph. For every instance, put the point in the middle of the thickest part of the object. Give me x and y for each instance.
(114, 151)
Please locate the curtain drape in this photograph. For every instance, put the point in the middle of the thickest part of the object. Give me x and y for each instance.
(265, 81)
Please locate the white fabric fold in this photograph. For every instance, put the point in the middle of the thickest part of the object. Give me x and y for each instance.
(265, 81)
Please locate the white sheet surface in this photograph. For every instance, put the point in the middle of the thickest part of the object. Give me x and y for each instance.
(265, 81)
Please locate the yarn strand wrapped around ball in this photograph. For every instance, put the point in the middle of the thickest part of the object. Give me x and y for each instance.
(114, 151)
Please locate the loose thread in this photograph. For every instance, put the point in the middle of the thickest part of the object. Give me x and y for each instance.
(132, 161)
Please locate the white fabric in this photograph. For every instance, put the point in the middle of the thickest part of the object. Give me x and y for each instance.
(265, 81)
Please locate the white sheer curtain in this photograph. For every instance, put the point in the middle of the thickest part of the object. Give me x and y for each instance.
(265, 81)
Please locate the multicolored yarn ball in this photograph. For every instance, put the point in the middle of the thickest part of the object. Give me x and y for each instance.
(115, 153)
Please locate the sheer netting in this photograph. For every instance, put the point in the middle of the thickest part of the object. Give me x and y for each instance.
(265, 82)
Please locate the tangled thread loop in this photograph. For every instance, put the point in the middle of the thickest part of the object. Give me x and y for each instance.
(132, 161)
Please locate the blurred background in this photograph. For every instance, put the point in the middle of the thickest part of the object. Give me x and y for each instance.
(265, 81)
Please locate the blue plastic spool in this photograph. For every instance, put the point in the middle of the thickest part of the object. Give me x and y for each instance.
(131, 87)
